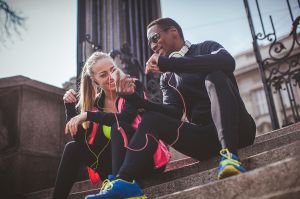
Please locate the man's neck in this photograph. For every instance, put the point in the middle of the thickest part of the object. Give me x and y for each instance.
(180, 45)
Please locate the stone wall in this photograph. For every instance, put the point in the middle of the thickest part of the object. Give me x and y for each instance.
(32, 132)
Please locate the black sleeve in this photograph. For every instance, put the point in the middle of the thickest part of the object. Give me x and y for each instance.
(213, 57)
(71, 112)
(170, 106)
(126, 115)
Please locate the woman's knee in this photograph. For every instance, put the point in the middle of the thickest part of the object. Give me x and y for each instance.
(72, 147)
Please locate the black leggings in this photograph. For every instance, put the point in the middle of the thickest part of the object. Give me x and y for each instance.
(231, 127)
(119, 152)
(76, 155)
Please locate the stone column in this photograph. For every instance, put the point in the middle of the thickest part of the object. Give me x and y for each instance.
(108, 24)
(32, 126)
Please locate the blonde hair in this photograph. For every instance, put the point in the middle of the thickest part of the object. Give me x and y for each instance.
(88, 90)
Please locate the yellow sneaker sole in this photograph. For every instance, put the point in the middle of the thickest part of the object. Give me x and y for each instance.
(228, 171)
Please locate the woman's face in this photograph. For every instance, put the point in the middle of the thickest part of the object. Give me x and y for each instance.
(101, 71)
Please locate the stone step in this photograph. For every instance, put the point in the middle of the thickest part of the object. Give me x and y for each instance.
(277, 133)
(188, 166)
(208, 175)
(281, 176)
(261, 138)
(286, 194)
(213, 162)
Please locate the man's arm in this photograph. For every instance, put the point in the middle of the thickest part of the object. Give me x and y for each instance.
(214, 57)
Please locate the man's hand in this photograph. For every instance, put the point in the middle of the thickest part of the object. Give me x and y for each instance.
(73, 124)
(151, 64)
(125, 85)
(70, 96)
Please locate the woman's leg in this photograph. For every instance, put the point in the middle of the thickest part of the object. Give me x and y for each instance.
(200, 142)
(68, 170)
(75, 156)
(117, 145)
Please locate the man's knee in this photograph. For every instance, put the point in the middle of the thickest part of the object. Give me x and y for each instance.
(215, 79)
(150, 117)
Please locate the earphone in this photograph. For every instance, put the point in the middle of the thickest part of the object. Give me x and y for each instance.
(182, 51)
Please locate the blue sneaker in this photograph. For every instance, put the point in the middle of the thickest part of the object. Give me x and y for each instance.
(230, 165)
(113, 188)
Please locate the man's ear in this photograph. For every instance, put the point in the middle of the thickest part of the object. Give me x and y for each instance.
(174, 31)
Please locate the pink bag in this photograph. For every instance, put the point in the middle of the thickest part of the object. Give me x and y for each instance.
(93, 175)
(162, 155)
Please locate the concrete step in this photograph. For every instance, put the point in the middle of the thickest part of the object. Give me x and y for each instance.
(188, 166)
(213, 162)
(206, 172)
(273, 178)
(277, 133)
(208, 176)
(293, 193)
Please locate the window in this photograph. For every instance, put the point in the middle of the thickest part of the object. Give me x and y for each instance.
(260, 102)
(285, 98)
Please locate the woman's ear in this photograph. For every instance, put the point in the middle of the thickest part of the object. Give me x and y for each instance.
(93, 81)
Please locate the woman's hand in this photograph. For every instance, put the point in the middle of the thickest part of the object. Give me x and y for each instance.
(70, 96)
(125, 85)
(73, 124)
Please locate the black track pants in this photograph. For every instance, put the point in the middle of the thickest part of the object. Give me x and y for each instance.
(231, 127)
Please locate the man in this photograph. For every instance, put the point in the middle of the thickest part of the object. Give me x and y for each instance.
(202, 111)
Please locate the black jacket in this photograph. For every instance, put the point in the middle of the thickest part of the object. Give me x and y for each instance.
(189, 73)
(127, 115)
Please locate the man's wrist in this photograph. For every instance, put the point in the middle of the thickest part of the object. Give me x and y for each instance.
(162, 63)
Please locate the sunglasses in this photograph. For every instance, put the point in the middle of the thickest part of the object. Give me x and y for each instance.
(155, 37)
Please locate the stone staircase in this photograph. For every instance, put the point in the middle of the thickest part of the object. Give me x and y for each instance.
(273, 164)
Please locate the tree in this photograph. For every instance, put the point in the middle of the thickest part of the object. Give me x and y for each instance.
(12, 21)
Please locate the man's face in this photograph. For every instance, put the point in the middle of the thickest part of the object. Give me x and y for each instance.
(161, 41)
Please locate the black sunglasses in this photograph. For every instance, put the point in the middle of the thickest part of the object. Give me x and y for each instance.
(155, 37)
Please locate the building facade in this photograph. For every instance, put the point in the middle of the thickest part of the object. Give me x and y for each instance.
(251, 87)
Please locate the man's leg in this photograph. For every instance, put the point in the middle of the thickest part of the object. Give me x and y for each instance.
(230, 117)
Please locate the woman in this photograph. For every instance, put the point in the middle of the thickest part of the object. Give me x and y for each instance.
(96, 137)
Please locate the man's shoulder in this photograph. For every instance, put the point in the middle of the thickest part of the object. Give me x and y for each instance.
(205, 43)
(205, 47)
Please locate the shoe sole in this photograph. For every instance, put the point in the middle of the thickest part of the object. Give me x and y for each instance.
(138, 197)
(228, 171)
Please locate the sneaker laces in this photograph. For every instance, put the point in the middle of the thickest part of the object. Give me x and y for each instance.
(226, 154)
(106, 185)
